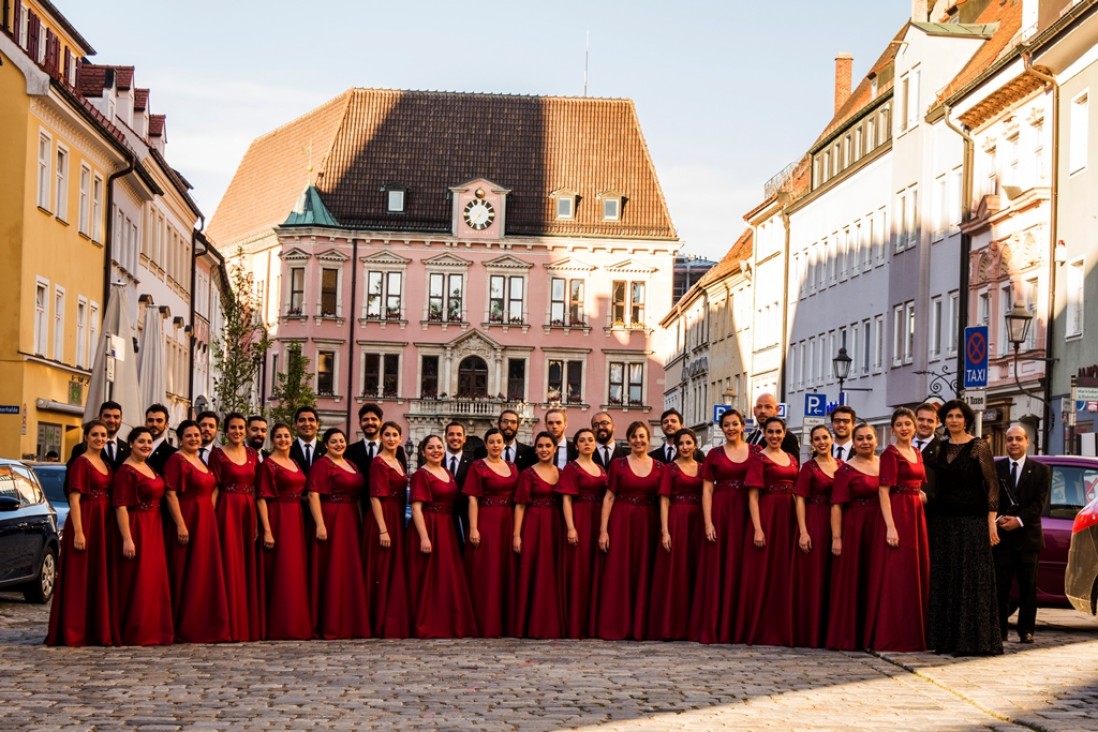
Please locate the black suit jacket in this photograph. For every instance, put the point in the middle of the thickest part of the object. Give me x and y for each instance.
(298, 455)
(120, 456)
(160, 456)
(1031, 496)
(790, 443)
(930, 460)
(524, 455)
(660, 455)
(615, 452)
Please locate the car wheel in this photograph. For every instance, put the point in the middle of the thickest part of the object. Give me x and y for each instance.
(41, 590)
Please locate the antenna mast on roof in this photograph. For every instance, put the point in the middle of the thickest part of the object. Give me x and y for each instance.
(586, 62)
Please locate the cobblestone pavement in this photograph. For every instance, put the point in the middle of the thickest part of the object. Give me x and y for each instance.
(546, 685)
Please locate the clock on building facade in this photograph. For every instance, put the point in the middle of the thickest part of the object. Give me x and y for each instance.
(478, 213)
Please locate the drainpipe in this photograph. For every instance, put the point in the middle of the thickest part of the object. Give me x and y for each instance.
(194, 334)
(966, 239)
(351, 336)
(785, 291)
(1054, 198)
(108, 248)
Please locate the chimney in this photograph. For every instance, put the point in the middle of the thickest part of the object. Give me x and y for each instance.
(920, 10)
(844, 68)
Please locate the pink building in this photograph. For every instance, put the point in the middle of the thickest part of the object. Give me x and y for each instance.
(452, 255)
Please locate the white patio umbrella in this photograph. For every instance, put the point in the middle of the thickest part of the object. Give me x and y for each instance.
(117, 343)
(150, 369)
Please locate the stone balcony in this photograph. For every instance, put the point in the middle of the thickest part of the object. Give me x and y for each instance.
(467, 408)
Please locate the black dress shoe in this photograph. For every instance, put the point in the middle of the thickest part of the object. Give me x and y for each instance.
(1025, 637)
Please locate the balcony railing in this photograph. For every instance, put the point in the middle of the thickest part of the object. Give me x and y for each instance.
(485, 408)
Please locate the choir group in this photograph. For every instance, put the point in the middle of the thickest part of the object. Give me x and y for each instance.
(746, 546)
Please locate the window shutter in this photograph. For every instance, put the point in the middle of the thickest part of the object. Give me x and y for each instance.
(52, 53)
(32, 36)
(15, 15)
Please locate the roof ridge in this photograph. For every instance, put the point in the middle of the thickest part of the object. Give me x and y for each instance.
(512, 95)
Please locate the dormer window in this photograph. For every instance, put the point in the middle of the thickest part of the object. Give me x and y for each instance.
(395, 198)
(611, 208)
(566, 207)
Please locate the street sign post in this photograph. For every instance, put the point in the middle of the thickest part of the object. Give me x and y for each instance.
(977, 399)
(976, 354)
(815, 405)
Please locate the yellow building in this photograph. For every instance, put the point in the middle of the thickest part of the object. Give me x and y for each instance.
(56, 166)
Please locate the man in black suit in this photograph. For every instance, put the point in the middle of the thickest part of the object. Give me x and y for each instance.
(257, 435)
(156, 420)
(766, 406)
(306, 449)
(926, 440)
(516, 452)
(116, 450)
(457, 462)
(606, 448)
(208, 427)
(556, 422)
(1025, 490)
(362, 452)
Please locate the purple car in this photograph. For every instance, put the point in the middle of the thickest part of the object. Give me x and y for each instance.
(1081, 578)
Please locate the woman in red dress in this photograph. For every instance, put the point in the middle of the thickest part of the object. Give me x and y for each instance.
(765, 611)
(905, 582)
(280, 481)
(200, 606)
(680, 541)
(337, 587)
(538, 607)
(812, 563)
(489, 560)
(234, 468)
(383, 539)
(628, 532)
(142, 591)
(81, 610)
(857, 540)
(582, 486)
(441, 606)
(724, 517)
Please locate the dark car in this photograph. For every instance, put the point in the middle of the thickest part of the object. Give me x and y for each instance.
(29, 542)
(1081, 577)
(51, 476)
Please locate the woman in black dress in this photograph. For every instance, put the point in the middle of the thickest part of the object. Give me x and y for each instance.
(963, 619)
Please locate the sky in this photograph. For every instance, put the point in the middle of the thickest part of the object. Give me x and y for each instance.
(727, 92)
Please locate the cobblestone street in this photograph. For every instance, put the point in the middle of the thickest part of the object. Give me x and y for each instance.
(528, 685)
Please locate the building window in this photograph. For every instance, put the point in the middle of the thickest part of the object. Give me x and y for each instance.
(85, 200)
(297, 291)
(395, 199)
(82, 333)
(566, 304)
(909, 332)
(611, 209)
(516, 379)
(44, 171)
(566, 207)
(383, 295)
(97, 209)
(935, 330)
(878, 342)
(627, 304)
(445, 297)
(1075, 297)
(380, 375)
(565, 382)
(428, 378)
(626, 384)
(983, 308)
(954, 323)
(329, 292)
(1006, 303)
(1079, 132)
(505, 299)
(58, 323)
(325, 373)
(41, 314)
(93, 329)
(1031, 292)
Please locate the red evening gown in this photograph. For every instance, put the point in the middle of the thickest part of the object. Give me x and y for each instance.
(81, 610)
(676, 571)
(337, 583)
(198, 583)
(285, 582)
(856, 572)
(765, 611)
(490, 566)
(440, 602)
(237, 526)
(142, 590)
(905, 580)
(386, 578)
(713, 610)
(577, 566)
(624, 573)
(812, 571)
(538, 606)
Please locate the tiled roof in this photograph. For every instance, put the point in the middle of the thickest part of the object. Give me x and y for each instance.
(863, 93)
(123, 77)
(68, 27)
(730, 263)
(426, 142)
(140, 99)
(157, 123)
(91, 79)
(1008, 15)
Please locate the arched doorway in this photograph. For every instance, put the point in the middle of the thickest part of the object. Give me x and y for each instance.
(472, 378)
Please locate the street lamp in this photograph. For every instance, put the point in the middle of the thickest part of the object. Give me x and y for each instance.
(841, 364)
(1018, 321)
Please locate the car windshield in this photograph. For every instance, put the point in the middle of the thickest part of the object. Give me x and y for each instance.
(1072, 488)
(53, 482)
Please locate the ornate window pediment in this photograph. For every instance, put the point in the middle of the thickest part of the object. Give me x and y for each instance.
(507, 261)
(295, 255)
(628, 266)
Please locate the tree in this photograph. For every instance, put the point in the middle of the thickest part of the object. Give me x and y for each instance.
(294, 388)
(243, 345)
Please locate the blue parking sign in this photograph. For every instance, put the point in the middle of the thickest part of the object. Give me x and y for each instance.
(815, 405)
(976, 356)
